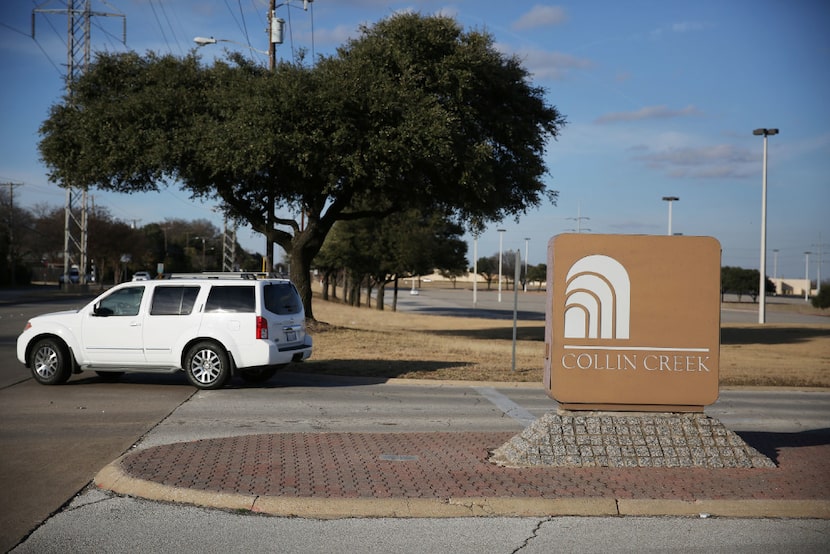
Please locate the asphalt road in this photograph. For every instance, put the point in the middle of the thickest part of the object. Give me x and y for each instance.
(53, 440)
(530, 306)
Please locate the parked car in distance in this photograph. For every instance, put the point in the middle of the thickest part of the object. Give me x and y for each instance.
(210, 328)
(73, 277)
(141, 276)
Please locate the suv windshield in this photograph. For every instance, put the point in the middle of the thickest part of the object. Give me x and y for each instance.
(282, 299)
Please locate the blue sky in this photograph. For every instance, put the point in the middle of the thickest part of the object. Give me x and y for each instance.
(661, 98)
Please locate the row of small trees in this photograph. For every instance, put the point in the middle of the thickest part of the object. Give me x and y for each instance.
(32, 245)
(372, 253)
(740, 281)
(488, 268)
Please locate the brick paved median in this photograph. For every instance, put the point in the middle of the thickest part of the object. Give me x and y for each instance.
(455, 465)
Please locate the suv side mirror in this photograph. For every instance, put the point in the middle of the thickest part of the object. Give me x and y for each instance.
(98, 311)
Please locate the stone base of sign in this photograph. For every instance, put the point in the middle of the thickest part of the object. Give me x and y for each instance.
(624, 440)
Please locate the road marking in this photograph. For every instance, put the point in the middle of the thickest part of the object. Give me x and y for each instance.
(506, 405)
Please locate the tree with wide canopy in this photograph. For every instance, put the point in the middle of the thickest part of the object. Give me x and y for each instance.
(415, 113)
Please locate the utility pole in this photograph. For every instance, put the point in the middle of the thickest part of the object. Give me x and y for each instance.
(275, 28)
(276, 31)
(11, 231)
(78, 54)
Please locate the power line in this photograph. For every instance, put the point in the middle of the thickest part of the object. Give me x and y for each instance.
(161, 27)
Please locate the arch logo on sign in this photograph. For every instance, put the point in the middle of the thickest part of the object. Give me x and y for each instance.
(633, 322)
(598, 303)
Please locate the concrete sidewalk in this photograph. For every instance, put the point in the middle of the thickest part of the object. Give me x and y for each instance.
(447, 474)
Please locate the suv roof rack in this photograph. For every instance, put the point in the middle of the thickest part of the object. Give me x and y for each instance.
(249, 275)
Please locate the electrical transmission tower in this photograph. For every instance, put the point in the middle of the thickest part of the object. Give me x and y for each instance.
(228, 247)
(78, 53)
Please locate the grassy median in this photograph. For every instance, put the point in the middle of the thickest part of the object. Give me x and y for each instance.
(371, 343)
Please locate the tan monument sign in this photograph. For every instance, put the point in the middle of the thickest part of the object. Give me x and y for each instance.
(633, 322)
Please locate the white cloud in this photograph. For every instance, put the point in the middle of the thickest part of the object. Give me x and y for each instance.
(648, 112)
(336, 36)
(540, 16)
(687, 26)
(544, 64)
(719, 161)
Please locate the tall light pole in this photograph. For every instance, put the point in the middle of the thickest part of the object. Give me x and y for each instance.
(670, 199)
(475, 269)
(501, 237)
(762, 287)
(775, 268)
(775, 263)
(807, 275)
(527, 240)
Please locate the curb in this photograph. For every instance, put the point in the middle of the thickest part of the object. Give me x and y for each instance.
(115, 479)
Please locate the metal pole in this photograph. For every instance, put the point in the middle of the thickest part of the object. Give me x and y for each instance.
(518, 264)
(669, 232)
(762, 290)
(762, 271)
(527, 240)
(807, 276)
(501, 236)
(670, 200)
(475, 270)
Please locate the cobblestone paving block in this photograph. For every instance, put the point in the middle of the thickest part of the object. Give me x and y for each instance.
(597, 439)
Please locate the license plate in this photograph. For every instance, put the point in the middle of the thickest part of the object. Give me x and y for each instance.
(291, 336)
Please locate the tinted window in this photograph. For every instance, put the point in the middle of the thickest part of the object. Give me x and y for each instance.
(231, 299)
(173, 300)
(282, 299)
(121, 302)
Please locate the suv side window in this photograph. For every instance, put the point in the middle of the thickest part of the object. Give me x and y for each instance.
(169, 300)
(281, 299)
(231, 299)
(126, 301)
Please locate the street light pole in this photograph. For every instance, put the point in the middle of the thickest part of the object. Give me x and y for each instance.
(762, 287)
(475, 269)
(670, 199)
(501, 236)
(807, 275)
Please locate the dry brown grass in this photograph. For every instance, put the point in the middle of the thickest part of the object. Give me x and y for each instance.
(385, 344)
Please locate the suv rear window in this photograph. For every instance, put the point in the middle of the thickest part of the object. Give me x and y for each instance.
(231, 299)
(173, 300)
(282, 299)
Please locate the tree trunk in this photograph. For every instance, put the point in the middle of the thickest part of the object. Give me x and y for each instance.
(326, 280)
(300, 275)
(381, 290)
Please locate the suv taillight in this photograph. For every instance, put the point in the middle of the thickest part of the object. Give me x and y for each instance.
(261, 327)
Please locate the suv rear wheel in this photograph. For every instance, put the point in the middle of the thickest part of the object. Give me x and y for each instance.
(207, 366)
(50, 362)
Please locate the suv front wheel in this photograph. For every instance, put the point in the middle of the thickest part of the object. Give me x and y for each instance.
(207, 366)
(50, 362)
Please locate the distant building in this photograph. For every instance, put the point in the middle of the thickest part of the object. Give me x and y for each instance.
(792, 287)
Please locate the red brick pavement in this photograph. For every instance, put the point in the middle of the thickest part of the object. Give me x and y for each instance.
(444, 465)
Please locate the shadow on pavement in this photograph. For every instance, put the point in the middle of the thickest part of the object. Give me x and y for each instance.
(770, 444)
(770, 335)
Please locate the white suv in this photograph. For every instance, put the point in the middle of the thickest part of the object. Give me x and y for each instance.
(209, 327)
